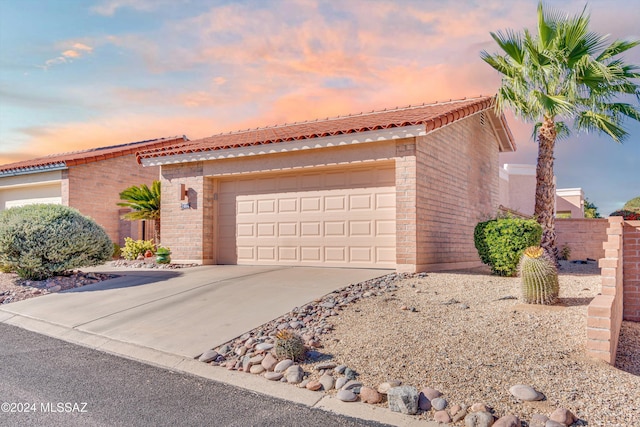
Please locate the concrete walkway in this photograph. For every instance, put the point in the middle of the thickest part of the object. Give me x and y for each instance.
(169, 317)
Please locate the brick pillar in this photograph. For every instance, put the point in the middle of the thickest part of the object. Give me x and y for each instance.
(604, 314)
(406, 207)
(631, 273)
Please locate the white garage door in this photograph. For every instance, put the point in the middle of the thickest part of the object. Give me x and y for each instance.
(334, 218)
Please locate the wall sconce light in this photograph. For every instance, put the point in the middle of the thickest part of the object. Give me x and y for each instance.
(184, 193)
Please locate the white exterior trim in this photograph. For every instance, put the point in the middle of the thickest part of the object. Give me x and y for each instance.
(519, 169)
(284, 147)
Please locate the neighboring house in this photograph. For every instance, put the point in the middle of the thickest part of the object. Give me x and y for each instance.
(518, 192)
(89, 180)
(401, 189)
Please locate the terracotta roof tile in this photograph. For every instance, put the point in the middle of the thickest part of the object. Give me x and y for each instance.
(432, 116)
(87, 156)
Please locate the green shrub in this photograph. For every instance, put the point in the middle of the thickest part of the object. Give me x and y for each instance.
(133, 248)
(41, 241)
(632, 205)
(627, 215)
(500, 242)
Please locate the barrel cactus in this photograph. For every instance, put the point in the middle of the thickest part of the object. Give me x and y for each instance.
(539, 277)
(289, 345)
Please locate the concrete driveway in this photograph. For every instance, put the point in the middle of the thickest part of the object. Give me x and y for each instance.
(186, 311)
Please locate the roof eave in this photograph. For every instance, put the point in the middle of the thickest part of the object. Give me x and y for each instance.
(157, 159)
(34, 169)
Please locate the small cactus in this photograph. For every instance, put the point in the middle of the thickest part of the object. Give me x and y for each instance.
(539, 277)
(289, 345)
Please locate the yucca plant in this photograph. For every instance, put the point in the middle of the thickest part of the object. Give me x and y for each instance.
(539, 277)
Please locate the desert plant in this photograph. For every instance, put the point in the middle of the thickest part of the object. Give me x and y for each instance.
(289, 345)
(40, 241)
(539, 277)
(565, 252)
(500, 242)
(133, 248)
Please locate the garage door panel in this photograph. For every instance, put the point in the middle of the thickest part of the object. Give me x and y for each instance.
(334, 218)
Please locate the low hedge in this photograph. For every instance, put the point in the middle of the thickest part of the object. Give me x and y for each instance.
(500, 242)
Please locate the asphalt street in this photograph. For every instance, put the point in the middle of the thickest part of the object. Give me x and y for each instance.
(48, 382)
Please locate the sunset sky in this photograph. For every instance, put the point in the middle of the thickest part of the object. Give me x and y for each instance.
(76, 74)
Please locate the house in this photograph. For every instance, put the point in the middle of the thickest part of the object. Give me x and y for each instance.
(399, 189)
(518, 192)
(88, 180)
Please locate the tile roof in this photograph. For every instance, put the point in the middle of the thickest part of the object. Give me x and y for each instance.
(65, 160)
(433, 116)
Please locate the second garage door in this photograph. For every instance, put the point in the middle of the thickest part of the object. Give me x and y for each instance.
(331, 218)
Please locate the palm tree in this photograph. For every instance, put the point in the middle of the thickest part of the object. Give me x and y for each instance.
(145, 205)
(565, 72)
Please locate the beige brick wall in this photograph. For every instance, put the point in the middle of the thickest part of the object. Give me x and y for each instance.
(457, 186)
(584, 237)
(188, 232)
(631, 270)
(620, 296)
(94, 188)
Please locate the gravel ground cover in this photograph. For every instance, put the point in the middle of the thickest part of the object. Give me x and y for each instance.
(464, 334)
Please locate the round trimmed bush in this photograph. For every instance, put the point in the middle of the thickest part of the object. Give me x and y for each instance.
(41, 241)
(501, 242)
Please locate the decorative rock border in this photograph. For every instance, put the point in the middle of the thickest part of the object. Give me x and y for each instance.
(254, 352)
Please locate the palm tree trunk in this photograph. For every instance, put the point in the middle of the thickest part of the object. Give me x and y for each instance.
(156, 230)
(545, 187)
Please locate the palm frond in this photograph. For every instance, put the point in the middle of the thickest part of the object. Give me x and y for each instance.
(592, 121)
(616, 48)
(512, 43)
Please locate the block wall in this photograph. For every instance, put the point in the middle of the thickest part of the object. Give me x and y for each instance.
(631, 270)
(94, 189)
(186, 230)
(457, 186)
(584, 237)
(620, 295)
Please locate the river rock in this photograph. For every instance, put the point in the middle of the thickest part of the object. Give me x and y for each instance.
(327, 382)
(525, 393)
(442, 417)
(384, 387)
(564, 416)
(439, 403)
(352, 384)
(431, 393)
(403, 399)
(269, 362)
(283, 365)
(256, 369)
(314, 385)
(478, 419)
(551, 423)
(478, 407)
(369, 395)
(340, 382)
(294, 374)
(208, 356)
(423, 402)
(508, 421)
(273, 376)
(324, 366)
(347, 396)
